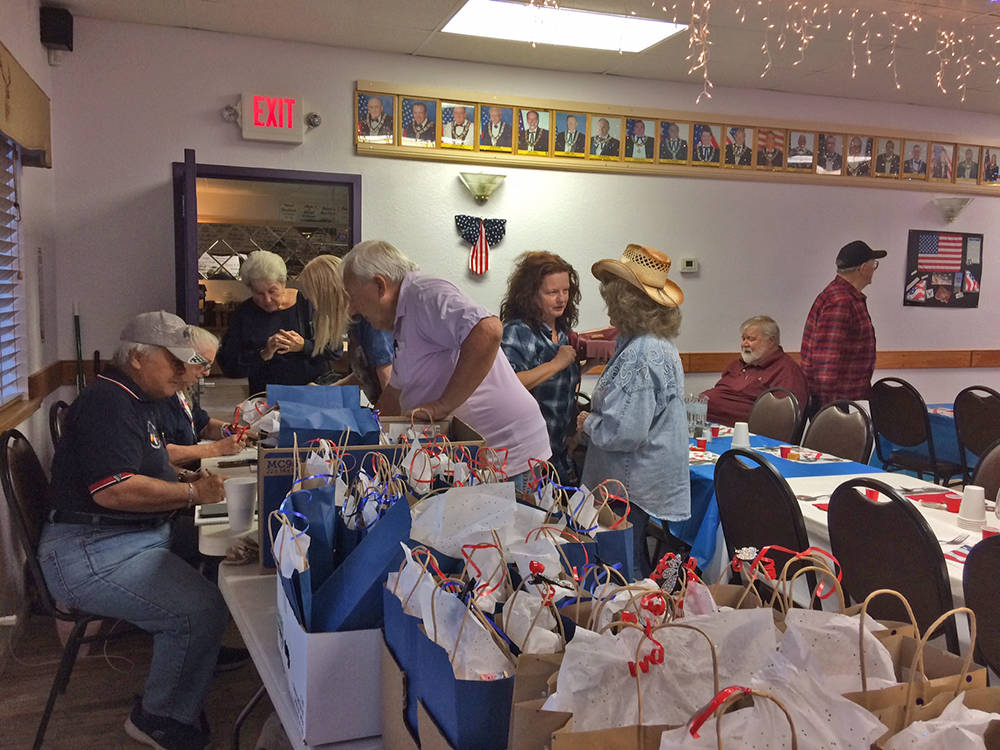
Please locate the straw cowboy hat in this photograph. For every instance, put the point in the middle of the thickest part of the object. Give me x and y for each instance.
(645, 268)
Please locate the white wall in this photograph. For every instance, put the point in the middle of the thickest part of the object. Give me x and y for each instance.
(130, 98)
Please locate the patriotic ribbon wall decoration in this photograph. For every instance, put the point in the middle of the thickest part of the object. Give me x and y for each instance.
(481, 234)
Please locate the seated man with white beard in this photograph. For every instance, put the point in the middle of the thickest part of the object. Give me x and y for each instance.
(762, 364)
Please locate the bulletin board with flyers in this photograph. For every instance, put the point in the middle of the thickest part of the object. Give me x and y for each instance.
(943, 269)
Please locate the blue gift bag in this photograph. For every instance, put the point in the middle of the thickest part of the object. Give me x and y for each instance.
(401, 632)
(309, 412)
(318, 508)
(351, 598)
(472, 714)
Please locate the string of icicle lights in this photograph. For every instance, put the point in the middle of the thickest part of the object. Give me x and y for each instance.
(789, 27)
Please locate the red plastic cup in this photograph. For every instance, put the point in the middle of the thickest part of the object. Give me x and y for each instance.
(989, 531)
(702, 443)
(715, 431)
(871, 494)
(785, 450)
(953, 504)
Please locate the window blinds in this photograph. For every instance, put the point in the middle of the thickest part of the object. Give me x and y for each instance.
(11, 382)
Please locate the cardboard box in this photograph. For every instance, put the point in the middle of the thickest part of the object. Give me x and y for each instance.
(396, 734)
(334, 678)
(275, 467)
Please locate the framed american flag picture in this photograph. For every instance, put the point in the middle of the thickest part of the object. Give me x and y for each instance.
(943, 269)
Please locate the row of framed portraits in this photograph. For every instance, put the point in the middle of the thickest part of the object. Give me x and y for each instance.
(390, 120)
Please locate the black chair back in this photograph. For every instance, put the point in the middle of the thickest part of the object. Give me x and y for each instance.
(757, 507)
(888, 545)
(775, 414)
(899, 413)
(977, 421)
(987, 473)
(842, 429)
(24, 485)
(981, 589)
(57, 420)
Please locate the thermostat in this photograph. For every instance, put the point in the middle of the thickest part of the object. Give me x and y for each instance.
(689, 265)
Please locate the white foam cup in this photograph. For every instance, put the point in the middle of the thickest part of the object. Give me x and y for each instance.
(241, 497)
(973, 506)
(741, 435)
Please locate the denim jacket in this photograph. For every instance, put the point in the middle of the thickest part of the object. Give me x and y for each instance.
(638, 427)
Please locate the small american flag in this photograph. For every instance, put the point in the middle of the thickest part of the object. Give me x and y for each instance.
(481, 234)
(970, 285)
(939, 252)
(918, 292)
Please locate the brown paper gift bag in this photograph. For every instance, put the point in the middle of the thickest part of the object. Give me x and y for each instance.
(730, 697)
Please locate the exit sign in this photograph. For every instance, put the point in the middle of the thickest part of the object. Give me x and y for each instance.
(272, 118)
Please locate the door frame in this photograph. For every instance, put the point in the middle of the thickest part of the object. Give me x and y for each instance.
(185, 175)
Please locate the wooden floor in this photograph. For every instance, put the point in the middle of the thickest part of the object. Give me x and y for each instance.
(93, 709)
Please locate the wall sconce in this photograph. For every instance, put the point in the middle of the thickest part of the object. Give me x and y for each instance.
(480, 184)
(950, 208)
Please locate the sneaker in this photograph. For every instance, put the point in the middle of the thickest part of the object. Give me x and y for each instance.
(162, 732)
(231, 658)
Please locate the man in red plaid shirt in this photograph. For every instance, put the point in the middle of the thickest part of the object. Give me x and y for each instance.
(838, 342)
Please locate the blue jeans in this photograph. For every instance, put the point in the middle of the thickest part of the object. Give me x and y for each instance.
(130, 573)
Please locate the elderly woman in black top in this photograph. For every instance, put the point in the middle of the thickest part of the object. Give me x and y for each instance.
(270, 338)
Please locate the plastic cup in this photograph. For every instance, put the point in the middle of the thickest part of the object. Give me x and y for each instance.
(973, 506)
(953, 504)
(785, 450)
(715, 431)
(241, 497)
(871, 494)
(741, 435)
(989, 531)
(702, 443)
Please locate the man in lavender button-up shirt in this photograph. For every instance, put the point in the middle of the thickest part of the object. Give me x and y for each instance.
(448, 358)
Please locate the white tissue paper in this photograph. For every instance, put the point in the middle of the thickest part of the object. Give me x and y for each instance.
(447, 521)
(291, 549)
(517, 616)
(957, 728)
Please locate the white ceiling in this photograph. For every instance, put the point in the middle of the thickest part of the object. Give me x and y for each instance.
(413, 27)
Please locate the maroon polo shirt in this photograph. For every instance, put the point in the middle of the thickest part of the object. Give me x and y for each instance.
(741, 384)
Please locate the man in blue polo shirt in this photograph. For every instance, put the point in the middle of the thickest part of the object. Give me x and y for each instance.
(105, 548)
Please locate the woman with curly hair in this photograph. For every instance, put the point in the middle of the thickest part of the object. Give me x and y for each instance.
(538, 311)
(637, 428)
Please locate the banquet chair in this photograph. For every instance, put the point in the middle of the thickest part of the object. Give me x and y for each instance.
(775, 414)
(899, 415)
(57, 420)
(24, 485)
(758, 508)
(981, 589)
(841, 429)
(987, 473)
(977, 422)
(888, 545)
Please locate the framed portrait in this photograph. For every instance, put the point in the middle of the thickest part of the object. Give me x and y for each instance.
(801, 150)
(830, 154)
(915, 160)
(990, 171)
(605, 137)
(943, 269)
(967, 164)
(887, 161)
(458, 125)
(640, 139)
(770, 149)
(705, 150)
(373, 117)
(859, 156)
(942, 162)
(674, 139)
(533, 131)
(417, 122)
(739, 147)
(496, 127)
(571, 134)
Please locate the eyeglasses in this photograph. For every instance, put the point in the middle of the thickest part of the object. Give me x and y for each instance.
(178, 366)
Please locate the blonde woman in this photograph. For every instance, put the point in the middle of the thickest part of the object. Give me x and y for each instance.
(270, 338)
(370, 350)
(637, 428)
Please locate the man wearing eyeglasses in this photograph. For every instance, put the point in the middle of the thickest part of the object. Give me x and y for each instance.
(838, 342)
(106, 548)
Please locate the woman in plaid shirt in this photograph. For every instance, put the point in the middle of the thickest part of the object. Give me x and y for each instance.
(538, 311)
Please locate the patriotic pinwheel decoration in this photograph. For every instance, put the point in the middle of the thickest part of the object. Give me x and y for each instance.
(481, 234)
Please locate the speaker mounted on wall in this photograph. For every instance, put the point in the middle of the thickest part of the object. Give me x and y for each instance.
(56, 26)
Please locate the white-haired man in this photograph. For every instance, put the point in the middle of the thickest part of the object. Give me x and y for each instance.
(106, 547)
(448, 357)
(762, 364)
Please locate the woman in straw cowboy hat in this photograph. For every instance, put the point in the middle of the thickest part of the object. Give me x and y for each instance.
(637, 429)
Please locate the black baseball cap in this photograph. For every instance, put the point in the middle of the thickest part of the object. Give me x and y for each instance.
(853, 254)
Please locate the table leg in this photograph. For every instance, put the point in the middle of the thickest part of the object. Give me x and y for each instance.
(244, 715)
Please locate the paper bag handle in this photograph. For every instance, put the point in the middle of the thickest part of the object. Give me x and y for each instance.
(783, 594)
(861, 627)
(724, 700)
